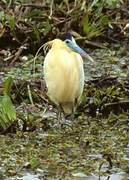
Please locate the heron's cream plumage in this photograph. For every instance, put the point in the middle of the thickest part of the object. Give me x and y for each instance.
(64, 75)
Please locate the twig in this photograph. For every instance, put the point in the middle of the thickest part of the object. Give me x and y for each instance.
(18, 53)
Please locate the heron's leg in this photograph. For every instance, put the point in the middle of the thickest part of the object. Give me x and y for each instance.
(61, 117)
(72, 115)
(59, 114)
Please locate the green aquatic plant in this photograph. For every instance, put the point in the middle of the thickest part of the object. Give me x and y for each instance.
(7, 110)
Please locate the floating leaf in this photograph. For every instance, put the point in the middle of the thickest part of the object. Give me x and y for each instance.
(33, 162)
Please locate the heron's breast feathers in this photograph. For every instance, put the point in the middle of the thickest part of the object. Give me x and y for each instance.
(62, 71)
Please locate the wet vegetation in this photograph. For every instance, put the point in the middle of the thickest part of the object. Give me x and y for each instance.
(33, 143)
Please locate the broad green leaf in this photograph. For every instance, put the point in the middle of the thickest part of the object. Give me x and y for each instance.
(11, 21)
(7, 86)
(7, 111)
(47, 28)
(118, 16)
(3, 120)
(2, 16)
(8, 108)
(85, 24)
(36, 32)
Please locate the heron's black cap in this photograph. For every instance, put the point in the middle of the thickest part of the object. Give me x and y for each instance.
(65, 36)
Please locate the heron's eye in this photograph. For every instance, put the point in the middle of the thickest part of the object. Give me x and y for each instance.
(67, 42)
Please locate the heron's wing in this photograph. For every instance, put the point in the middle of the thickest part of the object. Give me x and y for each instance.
(81, 76)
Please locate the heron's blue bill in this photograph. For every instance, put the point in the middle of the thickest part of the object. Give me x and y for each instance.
(77, 49)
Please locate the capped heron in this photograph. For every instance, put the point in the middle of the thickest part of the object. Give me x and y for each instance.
(64, 73)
